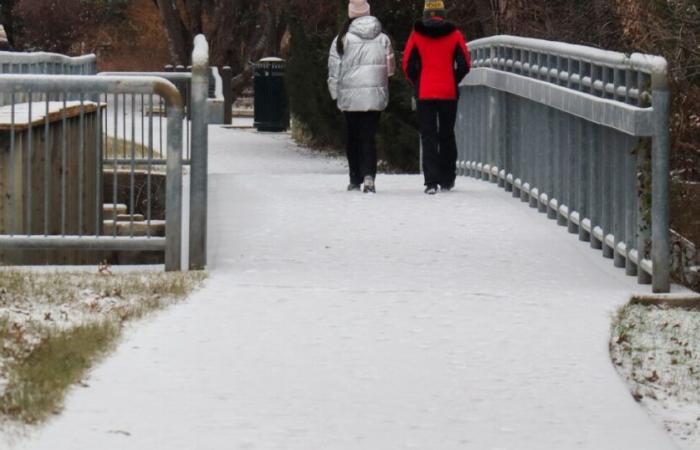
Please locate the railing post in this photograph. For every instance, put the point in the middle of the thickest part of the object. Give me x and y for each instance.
(660, 168)
(226, 80)
(200, 154)
(508, 137)
(173, 208)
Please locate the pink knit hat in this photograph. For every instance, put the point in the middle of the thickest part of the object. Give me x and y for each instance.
(358, 8)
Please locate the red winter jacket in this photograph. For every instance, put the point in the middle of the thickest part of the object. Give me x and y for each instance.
(436, 59)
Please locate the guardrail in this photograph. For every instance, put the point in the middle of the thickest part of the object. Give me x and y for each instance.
(194, 88)
(142, 110)
(220, 95)
(103, 172)
(53, 157)
(581, 134)
(41, 63)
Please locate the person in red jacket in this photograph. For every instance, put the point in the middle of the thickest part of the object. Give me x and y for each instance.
(436, 59)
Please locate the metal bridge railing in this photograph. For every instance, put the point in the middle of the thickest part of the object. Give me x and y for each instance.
(581, 134)
(96, 163)
(194, 88)
(41, 63)
(53, 158)
(138, 110)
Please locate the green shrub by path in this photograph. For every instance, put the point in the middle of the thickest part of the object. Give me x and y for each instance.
(309, 101)
(316, 113)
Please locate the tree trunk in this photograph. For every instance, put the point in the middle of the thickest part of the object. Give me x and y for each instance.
(487, 16)
(178, 37)
(194, 14)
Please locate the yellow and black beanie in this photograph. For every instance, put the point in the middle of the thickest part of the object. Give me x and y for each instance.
(434, 8)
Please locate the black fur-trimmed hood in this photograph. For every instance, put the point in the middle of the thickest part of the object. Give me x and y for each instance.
(434, 28)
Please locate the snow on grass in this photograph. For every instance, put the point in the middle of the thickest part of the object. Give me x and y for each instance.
(55, 326)
(657, 350)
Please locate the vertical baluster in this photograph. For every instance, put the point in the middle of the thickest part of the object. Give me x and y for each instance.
(630, 193)
(562, 125)
(574, 173)
(468, 133)
(81, 165)
(513, 139)
(124, 124)
(548, 184)
(47, 166)
(508, 140)
(483, 160)
(188, 118)
(501, 136)
(525, 151)
(15, 220)
(30, 160)
(150, 169)
(98, 165)
(619, 198)
(584, 179)
(517, 145)
(115, 165)
(607, 191)
(132, 174)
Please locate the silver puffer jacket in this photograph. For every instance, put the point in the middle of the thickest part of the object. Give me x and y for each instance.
(359, 80)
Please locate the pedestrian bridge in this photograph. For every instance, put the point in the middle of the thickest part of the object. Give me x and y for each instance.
(336, 320)
(581, 134)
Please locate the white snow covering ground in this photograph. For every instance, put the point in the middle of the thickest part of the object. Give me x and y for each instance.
(336, 320)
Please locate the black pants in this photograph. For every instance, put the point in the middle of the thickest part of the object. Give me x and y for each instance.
(361, 145)
(436, 120)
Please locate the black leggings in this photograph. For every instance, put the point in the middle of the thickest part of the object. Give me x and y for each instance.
(361, 145)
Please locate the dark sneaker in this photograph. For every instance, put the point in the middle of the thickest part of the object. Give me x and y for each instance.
(447, 187)
(369, 185)
(431, 190)
(353, 187)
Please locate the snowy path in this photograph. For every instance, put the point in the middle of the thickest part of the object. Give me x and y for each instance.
(336, 320)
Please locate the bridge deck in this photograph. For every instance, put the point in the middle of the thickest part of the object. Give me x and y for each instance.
(336, 320)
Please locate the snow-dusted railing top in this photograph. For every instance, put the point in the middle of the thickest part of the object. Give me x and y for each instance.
(602, 73)
(41, 63)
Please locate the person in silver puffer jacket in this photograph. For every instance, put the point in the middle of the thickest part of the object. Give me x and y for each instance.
(359, 66)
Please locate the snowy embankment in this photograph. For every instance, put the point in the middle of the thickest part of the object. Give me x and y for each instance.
(55, 325)
(657, 350)
(336, 320)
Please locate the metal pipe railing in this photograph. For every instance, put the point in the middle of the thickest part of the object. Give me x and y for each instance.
(183, 81)
(195, 88)
(41, 63)
(54, 165)
(199, 165)
(566, 128)
(67, 135)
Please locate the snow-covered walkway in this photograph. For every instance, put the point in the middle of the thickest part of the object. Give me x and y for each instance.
(336, 320)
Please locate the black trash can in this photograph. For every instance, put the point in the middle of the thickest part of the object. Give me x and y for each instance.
(271, 104)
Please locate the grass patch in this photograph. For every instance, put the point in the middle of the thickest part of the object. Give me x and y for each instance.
(55, 326)
(38, 383)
